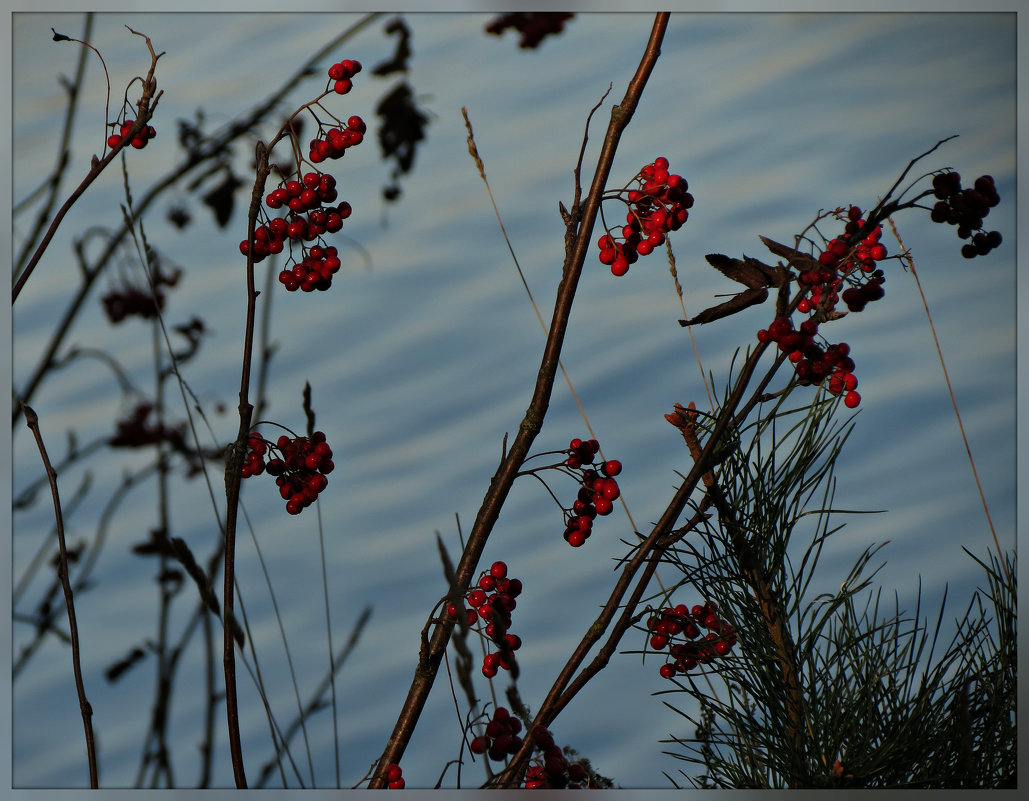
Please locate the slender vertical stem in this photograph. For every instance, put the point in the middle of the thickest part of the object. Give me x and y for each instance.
(62, 569)
(233, 477)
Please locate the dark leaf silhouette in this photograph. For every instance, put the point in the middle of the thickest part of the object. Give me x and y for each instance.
(534, 26)
(221, 199)
(398, 61)
(402, 128)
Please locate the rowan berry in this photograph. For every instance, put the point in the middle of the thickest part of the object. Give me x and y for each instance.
(395, 777)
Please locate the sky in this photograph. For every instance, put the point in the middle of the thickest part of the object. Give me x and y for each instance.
(422, 361)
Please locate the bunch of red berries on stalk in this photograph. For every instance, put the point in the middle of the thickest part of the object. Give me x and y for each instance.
(658, 205)
(850, 261)
(300, 466)
(695, 650)
(395, 777)
(492, 601)
(310, 200)
(598, 489)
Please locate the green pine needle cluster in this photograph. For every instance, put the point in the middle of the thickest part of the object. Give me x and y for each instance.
(840, 688)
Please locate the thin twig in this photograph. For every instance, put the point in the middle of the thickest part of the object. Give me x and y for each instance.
(502, 480)
(214, 147)
(53, 183)
(146, 106)
(62, 569)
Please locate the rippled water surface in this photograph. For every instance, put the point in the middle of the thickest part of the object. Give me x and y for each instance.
(421, 358)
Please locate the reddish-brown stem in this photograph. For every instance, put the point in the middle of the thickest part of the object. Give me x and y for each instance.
(500, 485)
(62, 569)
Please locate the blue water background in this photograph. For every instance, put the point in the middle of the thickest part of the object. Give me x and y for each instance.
(420, 363)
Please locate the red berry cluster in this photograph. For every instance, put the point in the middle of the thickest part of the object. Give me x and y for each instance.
(310, 203)
(395, 777)
(597, 491)
(966, 208)
(299, 468)
(658, 205)
(851, 260)
(500, 738)
(492, 601)
(145, 134)
(532, 25)
(551, 769)
(302, 198)
(314, 271)
(342, 73)
(667, 623)
(333, 143)
(811, 362)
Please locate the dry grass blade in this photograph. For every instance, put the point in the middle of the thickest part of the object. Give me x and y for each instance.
(906, 255)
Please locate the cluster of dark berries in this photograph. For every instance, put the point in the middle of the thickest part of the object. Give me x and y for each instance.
(310, 203)
(966, 208)
(597, 491)
(139, 301)
(395, 777)
(551, 769)
(501, 737)
(667, 623)
(342, 73)
(144, 135)
(299, 467)
(136, 432)
(659, 204)
(333, 142)
(534, 26)
(492, 602)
